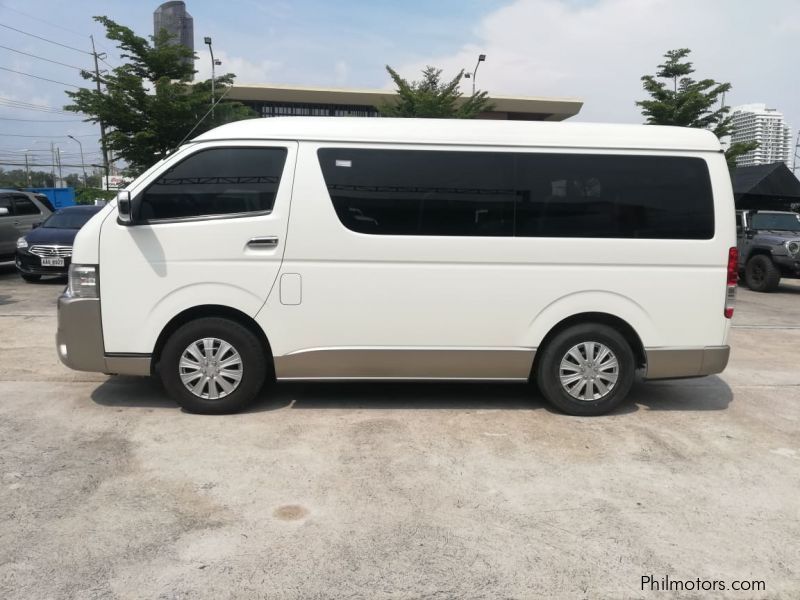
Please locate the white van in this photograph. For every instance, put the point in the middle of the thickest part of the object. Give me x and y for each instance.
(402, 249)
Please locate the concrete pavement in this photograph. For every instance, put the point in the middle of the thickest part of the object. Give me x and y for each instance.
(107, 490)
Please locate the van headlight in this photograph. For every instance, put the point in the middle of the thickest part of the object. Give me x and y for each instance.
(792, 248)
(22, 243)
(82, 281)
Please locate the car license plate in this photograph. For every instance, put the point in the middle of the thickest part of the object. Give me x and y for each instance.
(52, 262)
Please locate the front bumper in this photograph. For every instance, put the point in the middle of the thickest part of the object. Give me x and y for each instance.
(789, 266)
(79, 340)
(31, 264)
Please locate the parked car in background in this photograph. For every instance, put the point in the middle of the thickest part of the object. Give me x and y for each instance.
(769, 247)
(44, 200)
(19, 213)
(47, 250)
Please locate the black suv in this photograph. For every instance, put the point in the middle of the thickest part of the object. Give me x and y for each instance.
(769, 247)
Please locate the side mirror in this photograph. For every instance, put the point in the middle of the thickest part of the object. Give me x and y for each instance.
(35, 225)
(4, 212)
(124, 208)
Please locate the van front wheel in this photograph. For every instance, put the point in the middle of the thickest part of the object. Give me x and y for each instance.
(213, 366)
(586, 370)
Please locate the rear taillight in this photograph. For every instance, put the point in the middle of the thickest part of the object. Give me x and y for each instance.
(733, 279)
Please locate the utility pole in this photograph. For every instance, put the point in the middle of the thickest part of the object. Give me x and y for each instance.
(53, 163)
(27, 169)
(60, 173)
(102, 125)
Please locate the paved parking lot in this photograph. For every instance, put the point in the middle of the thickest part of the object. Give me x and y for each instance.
(396, 491)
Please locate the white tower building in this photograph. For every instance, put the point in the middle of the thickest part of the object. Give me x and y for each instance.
(756, 122)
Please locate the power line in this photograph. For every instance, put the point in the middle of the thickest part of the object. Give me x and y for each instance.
(72, 31)
(45, 136)
(43, 120)
(55, 62)
(37, 77)
(38, 37)
(22, 164)
(11, 103)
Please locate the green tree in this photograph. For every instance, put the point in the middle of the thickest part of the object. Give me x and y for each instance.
(431, 97)
(678, 99)
(149, 103)
(18, 178)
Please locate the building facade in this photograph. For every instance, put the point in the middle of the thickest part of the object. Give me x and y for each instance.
(756, 122)
(281, 100)
(173, 17)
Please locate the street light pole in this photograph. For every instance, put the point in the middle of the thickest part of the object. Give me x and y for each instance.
(83, 164)
(207, 40)
(481, 58)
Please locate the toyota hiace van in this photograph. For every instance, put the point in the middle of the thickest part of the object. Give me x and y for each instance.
(573, 255)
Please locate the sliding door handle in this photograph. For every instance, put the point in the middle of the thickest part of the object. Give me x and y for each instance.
(263, 242)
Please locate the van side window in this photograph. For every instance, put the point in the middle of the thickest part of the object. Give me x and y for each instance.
(420, 192)
(400, 192)
(218, 181)
(5, 202)
(24, 206)
(613, 196)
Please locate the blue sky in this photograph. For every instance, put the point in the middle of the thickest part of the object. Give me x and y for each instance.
(594, 50)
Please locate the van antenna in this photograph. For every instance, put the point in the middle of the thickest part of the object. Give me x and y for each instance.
(203, 118)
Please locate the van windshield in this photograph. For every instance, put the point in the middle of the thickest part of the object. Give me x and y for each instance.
(779, 221)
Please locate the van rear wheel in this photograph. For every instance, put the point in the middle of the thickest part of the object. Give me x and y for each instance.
(586, 370)
(213, 366)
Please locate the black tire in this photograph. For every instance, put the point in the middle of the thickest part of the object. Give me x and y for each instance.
(30, 278)
(253, 365)
(761, 274)
(548, 369)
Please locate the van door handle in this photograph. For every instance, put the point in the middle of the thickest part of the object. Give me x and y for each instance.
(263, 242)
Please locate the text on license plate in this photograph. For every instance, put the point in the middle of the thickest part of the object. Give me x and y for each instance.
(52, 262)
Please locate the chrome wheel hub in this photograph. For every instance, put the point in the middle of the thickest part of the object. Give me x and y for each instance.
(589, 371)
(210, 368)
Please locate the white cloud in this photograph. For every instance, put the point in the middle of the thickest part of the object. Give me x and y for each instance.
(599, 51)
(246, 71)
(340, 72)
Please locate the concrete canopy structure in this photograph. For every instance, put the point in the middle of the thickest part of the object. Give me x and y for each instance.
(284, 100)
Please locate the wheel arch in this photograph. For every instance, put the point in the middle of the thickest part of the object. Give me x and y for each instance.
(613, 321)
(758, 251)
(211, 310)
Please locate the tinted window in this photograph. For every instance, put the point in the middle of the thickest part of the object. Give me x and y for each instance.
(5, 202)
(216, 182)
(399, 192)
(25, 206)
(605, 196)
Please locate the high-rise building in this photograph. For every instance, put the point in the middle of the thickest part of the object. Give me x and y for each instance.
(756, 122)
(173, 17)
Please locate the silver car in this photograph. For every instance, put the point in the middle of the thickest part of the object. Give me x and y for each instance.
(19, 213)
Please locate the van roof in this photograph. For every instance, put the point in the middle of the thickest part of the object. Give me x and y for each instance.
(481, 132)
